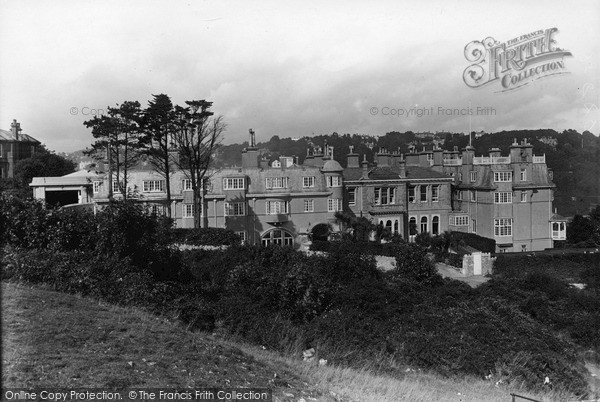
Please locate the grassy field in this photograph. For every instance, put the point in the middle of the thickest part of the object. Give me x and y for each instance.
(52, 339)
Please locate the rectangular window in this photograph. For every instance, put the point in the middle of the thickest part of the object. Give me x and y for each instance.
(503, 176)
(503, 227)
(276, 182)
(411, 194)
(277, 207)
(423, 192)
(243, 236)
(385, 195)
(473, 226)
(96, 186)
(186, 184)
(153, 186)
(187, 210)
(309, 205)
(523, 174)
(157, 209)
(503, 197)
(235, 208)
(473, 177)
(334, 204)
(208, 185)
(352, 196)
(236, 183)
(308, 181)
(334, 181)
(459, 220)
(435, 193)
(523, 196)
(116, 186)
(473, 196)
(458, 195)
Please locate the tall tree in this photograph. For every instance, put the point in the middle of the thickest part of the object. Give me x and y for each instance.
(104, 147)
(198, 134)
(117, 139)
(128, 122)
(158, 128)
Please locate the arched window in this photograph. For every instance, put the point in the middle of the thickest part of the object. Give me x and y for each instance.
(412, 226)
(435, 225)
(424, 224)
(396, 226)
(388, 225)
(278, 236)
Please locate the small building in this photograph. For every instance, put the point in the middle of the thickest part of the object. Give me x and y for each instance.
(14, 146)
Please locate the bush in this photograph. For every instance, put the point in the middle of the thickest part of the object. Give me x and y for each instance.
(413, 263)
(127, 229)
(205, 237)
(389, 249)
(480, 243)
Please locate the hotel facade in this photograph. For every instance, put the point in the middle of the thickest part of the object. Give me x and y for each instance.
(506, 198)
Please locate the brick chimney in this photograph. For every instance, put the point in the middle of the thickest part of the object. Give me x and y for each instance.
(15, 129)
(250, 155)
(352, 158)
(365, 167)
(383, 158)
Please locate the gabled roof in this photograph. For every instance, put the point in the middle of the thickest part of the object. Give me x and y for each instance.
(6, 135)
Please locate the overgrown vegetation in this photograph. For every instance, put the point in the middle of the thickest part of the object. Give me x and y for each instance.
(518, 328)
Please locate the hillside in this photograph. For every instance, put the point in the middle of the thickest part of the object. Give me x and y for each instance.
(59, 340)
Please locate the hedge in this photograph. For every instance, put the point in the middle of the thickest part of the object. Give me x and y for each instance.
(480, 243)
(390, 249)
(205, 237)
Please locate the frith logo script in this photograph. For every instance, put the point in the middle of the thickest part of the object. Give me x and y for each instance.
(514, 63)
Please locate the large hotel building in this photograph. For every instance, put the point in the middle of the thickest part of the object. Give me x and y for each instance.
(506, 198)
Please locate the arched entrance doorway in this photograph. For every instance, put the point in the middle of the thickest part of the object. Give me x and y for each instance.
(320, 232)
(280, 237)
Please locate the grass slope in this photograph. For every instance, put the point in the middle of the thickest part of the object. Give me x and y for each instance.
(52, 339)
(55, 340)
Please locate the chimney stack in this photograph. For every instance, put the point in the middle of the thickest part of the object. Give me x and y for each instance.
(365, 167)
(352, 158)
(15, 129)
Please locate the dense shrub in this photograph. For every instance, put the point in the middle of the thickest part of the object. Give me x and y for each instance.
(389, 249)
(413, 263)
(24, 222)
(127, 229)
(522, 325)
(471, 239)
(567, 266)
(205, 237)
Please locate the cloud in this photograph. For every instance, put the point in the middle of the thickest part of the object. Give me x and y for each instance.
(290, 69)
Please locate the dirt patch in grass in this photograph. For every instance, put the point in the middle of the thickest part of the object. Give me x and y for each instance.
(55, 340)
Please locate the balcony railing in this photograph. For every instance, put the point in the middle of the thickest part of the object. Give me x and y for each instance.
(491, 160)
(453, 162)
(539, 159)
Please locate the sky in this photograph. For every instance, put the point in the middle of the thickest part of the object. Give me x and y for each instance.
(293, 68)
